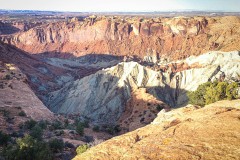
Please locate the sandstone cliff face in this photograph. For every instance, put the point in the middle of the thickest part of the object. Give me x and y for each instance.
(174, 38)
(190, 132)
(102, 97)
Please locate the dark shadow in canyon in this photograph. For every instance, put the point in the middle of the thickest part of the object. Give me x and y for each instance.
(6, 29)
(174, 97)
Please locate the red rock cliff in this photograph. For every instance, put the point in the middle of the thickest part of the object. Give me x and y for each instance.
(176, 37)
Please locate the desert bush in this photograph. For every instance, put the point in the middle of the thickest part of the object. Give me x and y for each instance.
(22, 114)
(4, 138)
(113, 129)
(86, 124)
(232, 91)
(43, 124)
(59, 132)
(80, 128)
(68, 145)
(211, 92)
(36, 132)
(96, 129)
(221, 90)
(66, 122)
(29, 124)
(197, 97)
(159, 107)
(29, 148)
(81, 149)
(216, 92)
(56, 125)
(56, 145)
(8, 77)
(5, 113)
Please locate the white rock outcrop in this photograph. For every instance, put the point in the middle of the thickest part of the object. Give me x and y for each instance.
(101, 97)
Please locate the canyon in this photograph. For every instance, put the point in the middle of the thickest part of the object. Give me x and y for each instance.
(130, 72)
(101, 96)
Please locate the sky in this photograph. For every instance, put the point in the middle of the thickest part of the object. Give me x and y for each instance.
(120, 5)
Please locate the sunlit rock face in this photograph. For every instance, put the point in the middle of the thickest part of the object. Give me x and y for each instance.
(174, 38)
(187, 131)
(102, 96)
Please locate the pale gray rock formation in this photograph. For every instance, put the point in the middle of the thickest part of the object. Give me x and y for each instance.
(101, 97)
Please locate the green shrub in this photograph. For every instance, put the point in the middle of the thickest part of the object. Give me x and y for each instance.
(232, 91)
(66, 122)
(9, 152)
(59, 132)
(197, 97)
(42, 151)
(96, 128)
(86, 124)
(57, 125)
(6, 113)
(27, 148)
(22, 114)
(113, 129)
(211, 92)
(210, 95)
(117, 128)
(36, 132)
(80, 128)
(159, 107)
(22, 150)
(43, 124)
(56, 145)
(221, 91)
(30, 124)
(81, 149)
(4, 138)
(8, 77)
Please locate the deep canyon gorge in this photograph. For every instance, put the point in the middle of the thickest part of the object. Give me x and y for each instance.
(129, 72)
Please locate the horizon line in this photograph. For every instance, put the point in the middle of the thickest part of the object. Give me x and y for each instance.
(141, 11)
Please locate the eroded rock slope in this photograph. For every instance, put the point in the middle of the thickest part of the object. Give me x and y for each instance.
(102, 97)
(16, 93)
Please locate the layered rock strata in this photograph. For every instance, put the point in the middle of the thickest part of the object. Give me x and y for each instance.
(152, 39)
